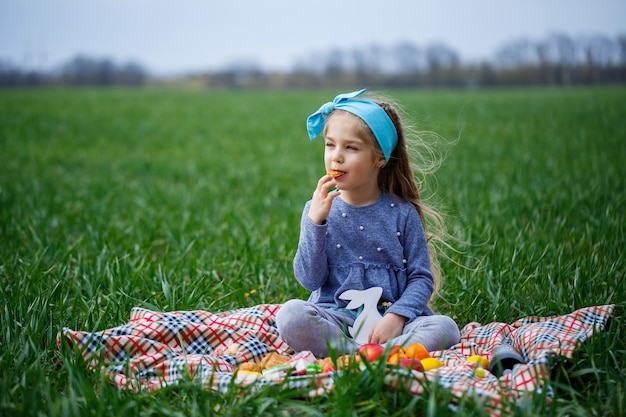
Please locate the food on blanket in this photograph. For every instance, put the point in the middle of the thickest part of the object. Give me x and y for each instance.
(431, 363)
(369, 352)
(241, 372)
(394, 358)
(277, 370)
(344, 361)
(244, 377)
(409, 356)
(416, 351)
(277, 366)
(334, 173)
(397, 349)
(326, 364)
(400, 358)
(482, 362)
(300, 361)
(329, 365)
(313, 369)
(250, 367)
(479, 360)
(273, 359)
(409, 363)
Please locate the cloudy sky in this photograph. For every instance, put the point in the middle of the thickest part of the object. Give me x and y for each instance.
(173, 36)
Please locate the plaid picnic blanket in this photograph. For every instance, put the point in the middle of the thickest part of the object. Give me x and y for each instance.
(156, 349)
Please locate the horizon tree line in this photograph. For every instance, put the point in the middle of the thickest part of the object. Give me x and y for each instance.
(558, 59)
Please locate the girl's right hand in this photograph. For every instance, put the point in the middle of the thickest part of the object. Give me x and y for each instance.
(322, 199)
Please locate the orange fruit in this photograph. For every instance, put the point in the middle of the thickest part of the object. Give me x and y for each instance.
(394, 359)
(416, 351)
(397, 349)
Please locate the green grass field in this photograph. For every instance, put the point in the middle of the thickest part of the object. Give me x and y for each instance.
(111, 199)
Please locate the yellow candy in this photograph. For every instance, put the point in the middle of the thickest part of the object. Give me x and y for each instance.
(480, 372)
(431, 363)
(480, 360)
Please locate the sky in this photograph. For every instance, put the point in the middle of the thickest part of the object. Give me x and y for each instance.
(178, 36)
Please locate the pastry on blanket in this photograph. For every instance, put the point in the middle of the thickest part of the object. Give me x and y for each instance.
(328, 365)
(334, 173)
(250, 367)
(273, 359)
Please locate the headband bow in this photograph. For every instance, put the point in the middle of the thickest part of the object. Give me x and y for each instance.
(371, 113)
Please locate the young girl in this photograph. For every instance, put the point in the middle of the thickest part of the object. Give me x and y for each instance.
(364, 227)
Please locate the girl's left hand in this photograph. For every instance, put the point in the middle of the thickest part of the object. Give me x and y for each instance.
(387, 328)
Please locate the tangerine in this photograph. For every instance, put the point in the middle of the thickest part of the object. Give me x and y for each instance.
(416, 351)
(394, 359)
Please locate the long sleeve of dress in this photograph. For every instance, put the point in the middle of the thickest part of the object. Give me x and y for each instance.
(311, 263)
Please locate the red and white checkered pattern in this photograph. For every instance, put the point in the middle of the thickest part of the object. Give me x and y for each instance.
(154, 350)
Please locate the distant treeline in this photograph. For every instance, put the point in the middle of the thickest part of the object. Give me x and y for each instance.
(558, 59)
(79, 71)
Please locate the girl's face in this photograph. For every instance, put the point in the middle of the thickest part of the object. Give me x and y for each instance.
(348, 149)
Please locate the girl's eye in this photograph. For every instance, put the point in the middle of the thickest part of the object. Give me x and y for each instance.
(349, 147)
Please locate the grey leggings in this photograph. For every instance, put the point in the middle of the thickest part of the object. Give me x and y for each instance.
(307, 326)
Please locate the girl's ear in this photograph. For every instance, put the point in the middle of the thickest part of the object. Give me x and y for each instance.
(380, 162)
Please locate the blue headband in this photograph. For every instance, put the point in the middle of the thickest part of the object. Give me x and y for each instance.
(371, 113)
